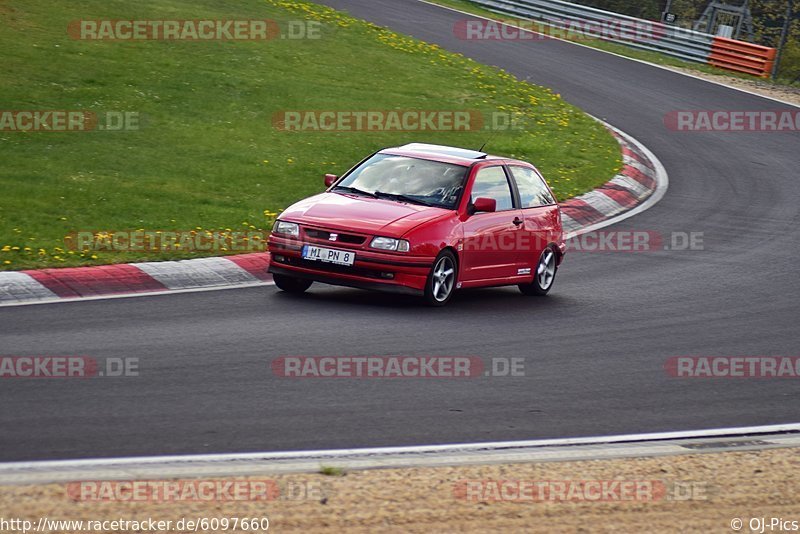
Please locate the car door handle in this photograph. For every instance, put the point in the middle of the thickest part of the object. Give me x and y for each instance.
(517, 221)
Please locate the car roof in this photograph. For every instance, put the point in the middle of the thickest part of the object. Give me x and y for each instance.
(446, 154)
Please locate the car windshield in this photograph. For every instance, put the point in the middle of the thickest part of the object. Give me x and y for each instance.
(405, 179)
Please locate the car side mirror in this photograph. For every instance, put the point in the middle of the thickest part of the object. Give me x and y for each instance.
(484, 204)
(330, 179)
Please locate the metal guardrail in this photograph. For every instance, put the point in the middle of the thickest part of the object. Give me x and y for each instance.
(677, 42)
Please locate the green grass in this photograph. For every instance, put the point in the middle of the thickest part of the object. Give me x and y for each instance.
(616, 48)
(330, 471)
(207, 155)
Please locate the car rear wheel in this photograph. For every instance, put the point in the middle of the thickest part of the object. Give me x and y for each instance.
(291, 284)
(544, 276)
(442, 279)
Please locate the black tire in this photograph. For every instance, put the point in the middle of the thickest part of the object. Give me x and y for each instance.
(291, 284)
(545, 274)
(441, 283)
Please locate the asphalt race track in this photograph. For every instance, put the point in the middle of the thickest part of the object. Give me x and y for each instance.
(594, 349)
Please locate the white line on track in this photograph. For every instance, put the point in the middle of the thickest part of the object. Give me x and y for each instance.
(599, 447)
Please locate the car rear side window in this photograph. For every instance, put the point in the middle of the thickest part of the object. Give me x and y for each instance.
(491, 182)
(533, 192)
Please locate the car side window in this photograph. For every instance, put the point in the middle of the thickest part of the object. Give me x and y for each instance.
(533, 192)
(491, 182)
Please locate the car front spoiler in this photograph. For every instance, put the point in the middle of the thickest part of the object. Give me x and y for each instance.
(347, 282)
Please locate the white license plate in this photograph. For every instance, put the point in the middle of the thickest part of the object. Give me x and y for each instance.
(328, 255)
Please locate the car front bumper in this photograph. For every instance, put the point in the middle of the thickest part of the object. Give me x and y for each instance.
(371, 270)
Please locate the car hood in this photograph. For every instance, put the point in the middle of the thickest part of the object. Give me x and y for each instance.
(361, 214)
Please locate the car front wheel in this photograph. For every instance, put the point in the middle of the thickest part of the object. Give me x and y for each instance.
(544, 276)
(442, 280)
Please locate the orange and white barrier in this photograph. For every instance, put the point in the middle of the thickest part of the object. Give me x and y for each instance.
(739, 56)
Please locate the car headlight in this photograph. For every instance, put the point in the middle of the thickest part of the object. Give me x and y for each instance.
(389, 243)
(286, 228)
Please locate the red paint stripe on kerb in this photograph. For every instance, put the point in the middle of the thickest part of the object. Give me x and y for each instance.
(626, 151)
(93, 281)
(639, 176)
(255, 264)
(581, 211)
(619, 194)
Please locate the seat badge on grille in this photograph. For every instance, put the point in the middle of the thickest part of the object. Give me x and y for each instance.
(333, 237)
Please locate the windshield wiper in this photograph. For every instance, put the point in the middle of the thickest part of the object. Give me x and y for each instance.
(354, 190)
(402, 198)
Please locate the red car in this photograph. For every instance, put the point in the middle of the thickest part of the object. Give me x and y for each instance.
(424, 220)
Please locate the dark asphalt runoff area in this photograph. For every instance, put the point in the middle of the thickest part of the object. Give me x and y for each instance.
(594, 350)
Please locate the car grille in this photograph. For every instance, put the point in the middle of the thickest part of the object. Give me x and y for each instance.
(341, 238)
